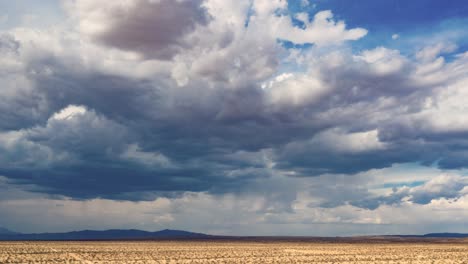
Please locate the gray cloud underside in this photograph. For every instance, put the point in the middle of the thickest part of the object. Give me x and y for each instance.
(154, 29)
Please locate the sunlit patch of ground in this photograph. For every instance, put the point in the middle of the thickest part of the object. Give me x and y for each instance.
(231, 252)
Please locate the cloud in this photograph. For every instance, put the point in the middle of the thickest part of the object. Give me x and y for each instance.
(236, 214)
(217, 104)
(432, 52)
(19, 100)
(156, 29)
(384, 61)
(322, 30)
(439, 188)
(70, 112)
(82, 154)
(288, 88)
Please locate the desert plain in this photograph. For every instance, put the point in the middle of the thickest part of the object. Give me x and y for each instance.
(233, 252)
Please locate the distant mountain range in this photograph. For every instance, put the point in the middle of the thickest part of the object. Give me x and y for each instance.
(133, 234)
(113, 234)
(443, 235)
(433, 235)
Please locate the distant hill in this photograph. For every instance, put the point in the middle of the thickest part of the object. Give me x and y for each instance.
(432, 235)
(4, 231)
(446, 235)
(113, 234)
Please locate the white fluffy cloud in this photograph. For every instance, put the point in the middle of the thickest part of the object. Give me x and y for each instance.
(322, 30)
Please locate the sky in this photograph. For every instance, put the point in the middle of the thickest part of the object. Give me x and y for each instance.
(250, 117)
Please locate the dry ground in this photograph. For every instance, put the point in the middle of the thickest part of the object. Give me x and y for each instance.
(231, 252)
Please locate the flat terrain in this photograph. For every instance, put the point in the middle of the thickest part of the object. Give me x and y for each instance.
(231, 252)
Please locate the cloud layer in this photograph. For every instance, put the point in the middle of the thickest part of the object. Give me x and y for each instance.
(135, 100)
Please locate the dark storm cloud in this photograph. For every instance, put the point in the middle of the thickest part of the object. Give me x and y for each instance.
(19, 103)
(153, 28)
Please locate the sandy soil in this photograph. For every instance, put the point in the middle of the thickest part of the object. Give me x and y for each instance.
(231, 252)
